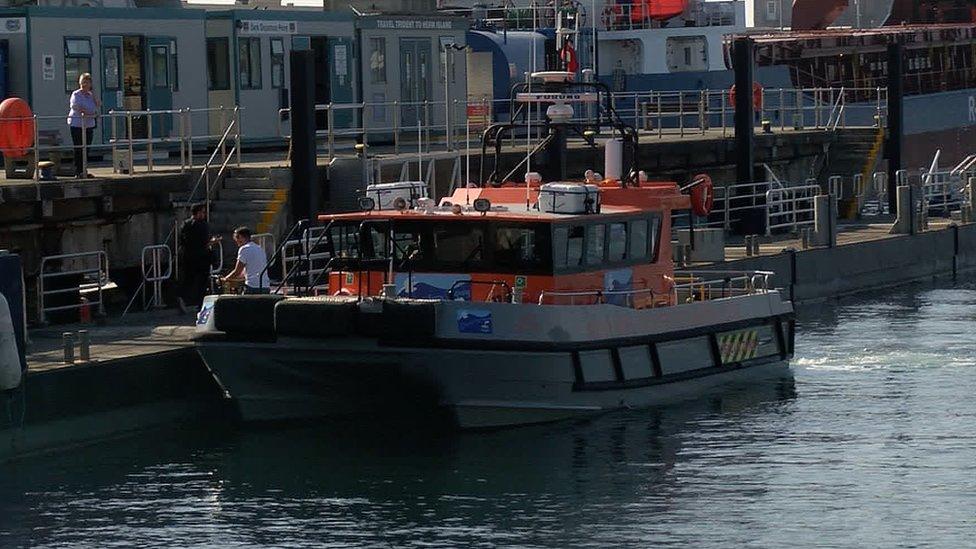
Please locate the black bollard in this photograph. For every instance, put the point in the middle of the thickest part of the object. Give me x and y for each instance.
(896, 120)
(304, 176)
(743, 60)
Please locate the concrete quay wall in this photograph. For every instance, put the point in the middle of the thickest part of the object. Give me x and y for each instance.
(823, 273)
(74, 405)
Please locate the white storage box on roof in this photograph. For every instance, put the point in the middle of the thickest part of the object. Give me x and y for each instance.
(569, 198)
(386, 193)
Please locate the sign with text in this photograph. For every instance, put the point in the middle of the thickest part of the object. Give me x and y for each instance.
(268, 27)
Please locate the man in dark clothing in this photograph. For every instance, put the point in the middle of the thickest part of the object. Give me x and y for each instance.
(195, 242)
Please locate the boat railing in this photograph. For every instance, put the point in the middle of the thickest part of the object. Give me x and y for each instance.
(691, 286)
(643, 298)
(506, 297)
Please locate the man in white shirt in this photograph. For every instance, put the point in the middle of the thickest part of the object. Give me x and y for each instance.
(251, 264)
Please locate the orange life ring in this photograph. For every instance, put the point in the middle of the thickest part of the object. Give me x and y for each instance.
(16, 127)
(757, 96)
(702, 196)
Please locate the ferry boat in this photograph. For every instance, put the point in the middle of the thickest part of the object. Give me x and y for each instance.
(684, 45)
(504, 304)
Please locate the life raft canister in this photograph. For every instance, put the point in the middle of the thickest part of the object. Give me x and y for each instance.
(16, 127)
(702, 196)
(757, 96)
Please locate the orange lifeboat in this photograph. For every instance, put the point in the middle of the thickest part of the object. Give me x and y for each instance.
(658, 10)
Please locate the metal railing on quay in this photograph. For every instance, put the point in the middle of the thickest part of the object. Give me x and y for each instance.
(157, 267)
(129, 135)
(92, 267)
(790, 207)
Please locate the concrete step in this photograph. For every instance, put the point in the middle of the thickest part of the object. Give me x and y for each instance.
(224, 205)
(225, 221)
(236, 172)
(251, 194)
(253, 183)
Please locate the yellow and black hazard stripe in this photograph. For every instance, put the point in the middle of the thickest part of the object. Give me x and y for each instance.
(738, 346)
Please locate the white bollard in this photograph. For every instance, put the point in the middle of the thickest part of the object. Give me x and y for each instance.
(904, 218)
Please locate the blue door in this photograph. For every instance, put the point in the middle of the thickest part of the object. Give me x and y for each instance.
(159, 85)
(111, 84)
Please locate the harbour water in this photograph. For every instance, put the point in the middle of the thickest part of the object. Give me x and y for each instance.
(870, 443)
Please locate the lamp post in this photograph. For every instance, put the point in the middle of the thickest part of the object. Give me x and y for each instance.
(450, 49)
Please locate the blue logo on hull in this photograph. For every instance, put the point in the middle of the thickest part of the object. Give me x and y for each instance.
(474, 321)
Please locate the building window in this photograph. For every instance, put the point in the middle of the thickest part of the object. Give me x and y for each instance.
(174, 70)
(249, 63)
(159, 61)
(377, 60)
(110, 68)
(772, 10)
(218, 64)
(277, 62)
(77, 61)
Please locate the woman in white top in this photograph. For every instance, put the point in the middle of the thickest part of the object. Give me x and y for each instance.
(81, 118)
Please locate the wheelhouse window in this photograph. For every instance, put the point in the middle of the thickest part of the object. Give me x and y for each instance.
(595, 244)
(521, 248)
(617, 242)
(249, 63)
(638, 239)
(654, 236)
(277, 62)
(218, 64)
(568, 246)
(77, 61)
(460, 244)
(437, 246)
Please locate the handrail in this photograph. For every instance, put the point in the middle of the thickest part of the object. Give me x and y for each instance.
(833, 109)
(598, 294)
(103, 278)
(509, 295)
(280, 249)
(158, 254)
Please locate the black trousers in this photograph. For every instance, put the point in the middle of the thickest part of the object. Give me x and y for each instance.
(76, 141)
(196, 280)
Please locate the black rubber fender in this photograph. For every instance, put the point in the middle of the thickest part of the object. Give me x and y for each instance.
(317, 317)
(250, 315)
(409, 321)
